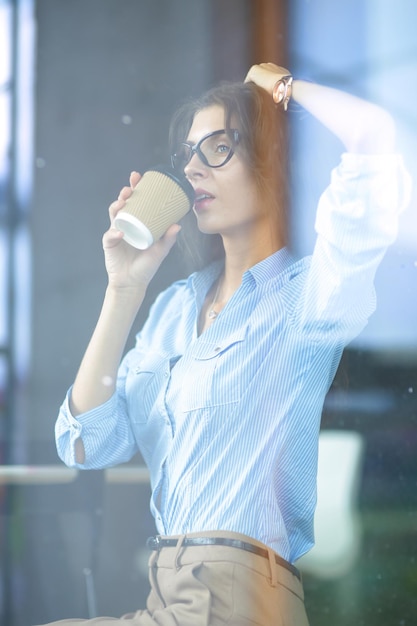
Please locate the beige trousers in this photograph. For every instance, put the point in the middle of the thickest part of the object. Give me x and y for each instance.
(214, 586)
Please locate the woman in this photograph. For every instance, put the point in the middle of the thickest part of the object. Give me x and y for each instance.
(223, 391)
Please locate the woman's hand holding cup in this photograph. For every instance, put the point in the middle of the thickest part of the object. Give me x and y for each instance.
(128, 267)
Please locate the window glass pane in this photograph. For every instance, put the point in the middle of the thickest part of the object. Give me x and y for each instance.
(5, 48)
(4, 149)
(24, 109)
(3, 286)
(22, 282)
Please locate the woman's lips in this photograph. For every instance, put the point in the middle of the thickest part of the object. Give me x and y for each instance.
(202, 199)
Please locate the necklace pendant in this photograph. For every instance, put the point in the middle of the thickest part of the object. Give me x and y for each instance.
(212, 314)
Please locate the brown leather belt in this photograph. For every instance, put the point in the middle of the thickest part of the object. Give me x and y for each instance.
(157, 542)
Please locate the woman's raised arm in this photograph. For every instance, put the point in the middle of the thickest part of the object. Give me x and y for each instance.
(361, 126)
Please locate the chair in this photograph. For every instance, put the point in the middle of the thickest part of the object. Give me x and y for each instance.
(337, 525)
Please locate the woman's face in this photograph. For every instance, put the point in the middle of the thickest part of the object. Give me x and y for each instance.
(226, 199)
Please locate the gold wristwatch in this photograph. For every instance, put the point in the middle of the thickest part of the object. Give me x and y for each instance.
(281, 92)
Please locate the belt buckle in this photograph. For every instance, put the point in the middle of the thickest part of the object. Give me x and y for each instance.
(154, 543)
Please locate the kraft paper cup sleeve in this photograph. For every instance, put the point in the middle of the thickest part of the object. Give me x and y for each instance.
(160, 199)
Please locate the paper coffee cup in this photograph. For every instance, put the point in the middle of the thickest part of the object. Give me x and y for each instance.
(160, 199)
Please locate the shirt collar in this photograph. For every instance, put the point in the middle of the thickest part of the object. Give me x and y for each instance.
(262, 272)
(200, 282)
(270, 267)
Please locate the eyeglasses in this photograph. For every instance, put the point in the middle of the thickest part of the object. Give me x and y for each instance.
(214, 150)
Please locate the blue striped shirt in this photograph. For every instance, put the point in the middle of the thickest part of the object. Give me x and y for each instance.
(228, 421)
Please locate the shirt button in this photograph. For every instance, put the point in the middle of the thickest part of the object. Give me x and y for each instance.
(217, 349)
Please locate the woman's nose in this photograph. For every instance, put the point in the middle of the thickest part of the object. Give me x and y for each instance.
(195, 168)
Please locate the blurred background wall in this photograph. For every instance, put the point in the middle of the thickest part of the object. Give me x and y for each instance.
(90, 88)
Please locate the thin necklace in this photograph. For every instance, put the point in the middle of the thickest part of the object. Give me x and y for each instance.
(212, 314)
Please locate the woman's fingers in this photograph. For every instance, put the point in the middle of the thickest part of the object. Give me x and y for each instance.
(265, 75)
(112, 237)
(124, 194)
(134, 179)
(114, 208)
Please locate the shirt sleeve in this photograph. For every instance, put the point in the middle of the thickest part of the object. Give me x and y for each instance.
(357, 220)
(105, 430)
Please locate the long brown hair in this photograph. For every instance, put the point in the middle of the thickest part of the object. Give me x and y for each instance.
(262, 147)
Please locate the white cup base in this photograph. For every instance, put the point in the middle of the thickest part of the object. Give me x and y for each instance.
(134, 231)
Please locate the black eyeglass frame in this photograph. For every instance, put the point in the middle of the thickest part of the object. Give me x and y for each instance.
(233, 133)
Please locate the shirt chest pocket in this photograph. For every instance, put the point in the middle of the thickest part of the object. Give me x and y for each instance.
(144, 385)
(212, 375)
